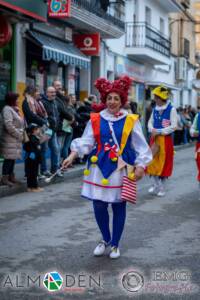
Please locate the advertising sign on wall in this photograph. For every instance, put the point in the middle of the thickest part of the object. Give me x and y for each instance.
(59, 8)
(89, 44)
(5, 32)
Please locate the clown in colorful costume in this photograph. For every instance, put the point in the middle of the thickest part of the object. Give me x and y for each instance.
(195, 132)
(161, 125)
(104, 148)
(112, 140)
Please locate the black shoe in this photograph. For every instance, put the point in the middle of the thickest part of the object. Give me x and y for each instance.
(46, 173)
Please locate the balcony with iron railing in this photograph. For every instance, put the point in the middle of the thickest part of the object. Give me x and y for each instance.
(89, 15)
(146, 43)
(95, 8)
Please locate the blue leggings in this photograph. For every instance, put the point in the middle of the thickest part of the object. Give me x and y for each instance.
(102, 218)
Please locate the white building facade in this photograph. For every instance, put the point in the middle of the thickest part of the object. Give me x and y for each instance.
(144, 53)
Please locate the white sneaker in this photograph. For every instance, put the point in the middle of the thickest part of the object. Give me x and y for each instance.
(152, 189)
(115, 253)
(100, 248)
(161, 194)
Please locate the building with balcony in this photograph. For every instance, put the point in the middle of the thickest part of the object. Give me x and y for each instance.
(147, 31)
(182, 29)
(147, 50)
(195, 10)
(96, 16)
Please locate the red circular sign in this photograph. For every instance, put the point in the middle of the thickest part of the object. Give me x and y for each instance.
(5, 32)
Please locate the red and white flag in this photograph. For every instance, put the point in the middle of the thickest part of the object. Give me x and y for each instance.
(129, 190)
(166, 123)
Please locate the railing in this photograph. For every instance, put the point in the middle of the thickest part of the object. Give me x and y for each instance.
(143, 35)
(185, 3)
(94, 7)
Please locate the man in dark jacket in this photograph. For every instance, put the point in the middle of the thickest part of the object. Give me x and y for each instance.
(64, 133)
(62, 105)
(50, 105)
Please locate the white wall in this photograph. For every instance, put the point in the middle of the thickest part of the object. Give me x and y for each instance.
(157, 12)
(117, 45)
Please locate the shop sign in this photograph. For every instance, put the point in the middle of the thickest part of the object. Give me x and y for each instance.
(89, 44)
(5, 32)
(59, 8)
(130, 68)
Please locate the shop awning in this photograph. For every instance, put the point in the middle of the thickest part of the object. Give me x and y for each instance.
(54, 49)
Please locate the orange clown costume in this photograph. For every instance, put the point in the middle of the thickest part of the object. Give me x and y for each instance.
(161, 125)
(195, 132)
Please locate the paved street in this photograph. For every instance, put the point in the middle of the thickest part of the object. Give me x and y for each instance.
(56, 231)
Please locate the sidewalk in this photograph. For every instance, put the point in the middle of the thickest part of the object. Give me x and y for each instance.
(76, 171)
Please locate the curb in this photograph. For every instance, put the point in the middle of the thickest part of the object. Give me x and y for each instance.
(76, 172)
(21, 188)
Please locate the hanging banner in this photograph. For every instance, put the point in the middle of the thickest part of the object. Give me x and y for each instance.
(89, 44)
(59, 8)
(5, 32)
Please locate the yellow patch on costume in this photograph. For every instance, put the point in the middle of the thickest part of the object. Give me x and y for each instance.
(155, 168)
(128, 127)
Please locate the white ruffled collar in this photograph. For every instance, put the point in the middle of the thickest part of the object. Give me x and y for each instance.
(109, 117)
(163, 107)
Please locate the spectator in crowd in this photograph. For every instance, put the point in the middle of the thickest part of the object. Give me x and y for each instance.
(186, 124)
(189, 123)
(32, 157)
(78, 125)
(178, 134)
(191, 112)
(50, 105)
(148, 113)
(11, 138)
(33, 108)
(34, 112)
(66, 118)
(92, 99)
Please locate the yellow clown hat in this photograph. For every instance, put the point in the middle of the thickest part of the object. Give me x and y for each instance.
(161, 91)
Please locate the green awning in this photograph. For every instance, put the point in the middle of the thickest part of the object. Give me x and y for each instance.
(34, 9)
(59, 51)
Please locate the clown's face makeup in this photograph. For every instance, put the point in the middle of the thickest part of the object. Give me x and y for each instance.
(113, 103)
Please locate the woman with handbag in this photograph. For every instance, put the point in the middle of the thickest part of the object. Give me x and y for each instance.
(11, 138)
(113, 140)
(161, 125)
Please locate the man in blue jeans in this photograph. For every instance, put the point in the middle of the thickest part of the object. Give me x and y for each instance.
(53, 119)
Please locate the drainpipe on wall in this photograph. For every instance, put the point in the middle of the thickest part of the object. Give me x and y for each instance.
(13, 61)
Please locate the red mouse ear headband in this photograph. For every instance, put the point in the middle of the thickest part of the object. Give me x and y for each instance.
(119, 86)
